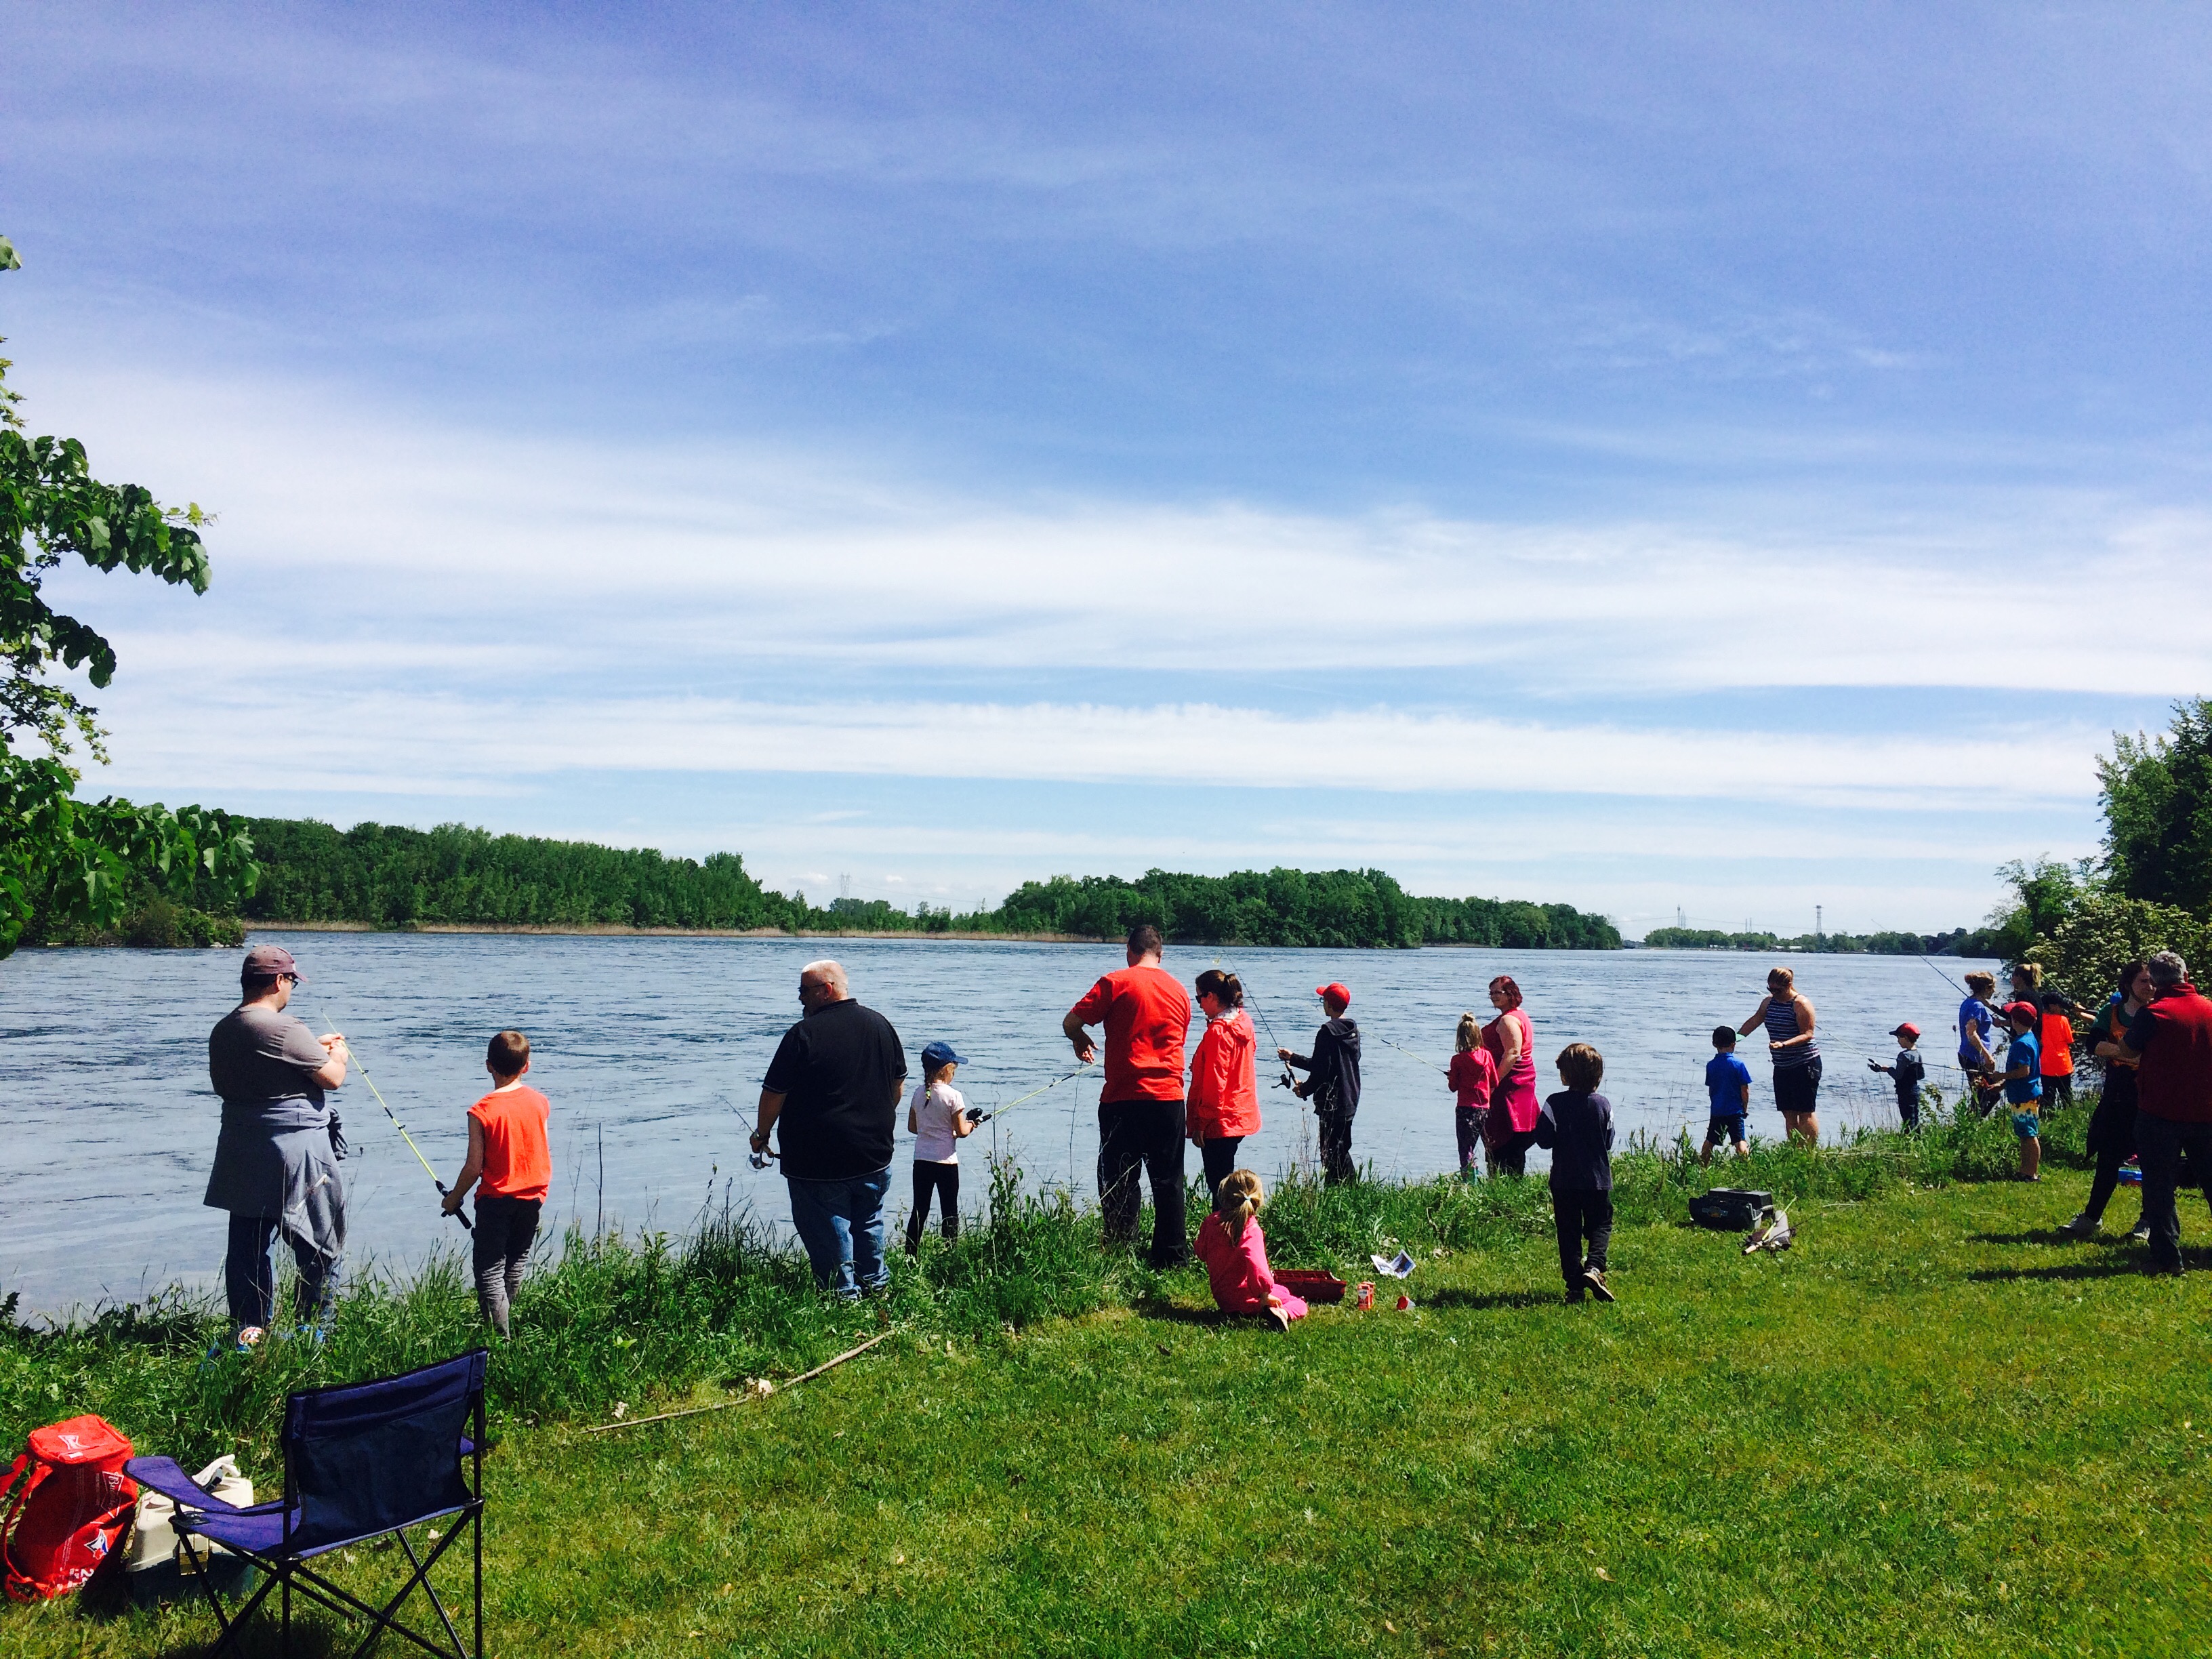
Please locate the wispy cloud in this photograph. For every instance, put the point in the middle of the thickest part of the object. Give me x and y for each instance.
(659, 560)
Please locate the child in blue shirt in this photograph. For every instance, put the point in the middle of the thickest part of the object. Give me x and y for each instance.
(2023, 1085)
(1728, 1080)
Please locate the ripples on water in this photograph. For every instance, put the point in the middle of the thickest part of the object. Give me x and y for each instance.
(658, 1046)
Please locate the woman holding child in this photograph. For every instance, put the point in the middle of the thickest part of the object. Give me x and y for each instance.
(1511, 1129)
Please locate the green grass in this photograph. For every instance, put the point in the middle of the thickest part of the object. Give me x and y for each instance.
(1932, 1428)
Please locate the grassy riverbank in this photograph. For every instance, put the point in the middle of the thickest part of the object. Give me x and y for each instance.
(1932, 1428)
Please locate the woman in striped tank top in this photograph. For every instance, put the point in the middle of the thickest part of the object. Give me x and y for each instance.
(1788, 1018)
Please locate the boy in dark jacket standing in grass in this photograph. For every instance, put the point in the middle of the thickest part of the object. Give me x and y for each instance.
(1577, 1125)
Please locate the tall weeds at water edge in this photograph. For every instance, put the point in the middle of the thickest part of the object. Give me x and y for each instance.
(607, 1319)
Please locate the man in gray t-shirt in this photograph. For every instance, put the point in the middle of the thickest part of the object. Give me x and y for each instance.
(257, 1051)
(276, 1161)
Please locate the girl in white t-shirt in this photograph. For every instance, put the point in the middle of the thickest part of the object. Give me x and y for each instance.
(940, 1121)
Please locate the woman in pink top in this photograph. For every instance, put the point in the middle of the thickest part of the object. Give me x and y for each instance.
(1511, 1042)
(1235, 1254)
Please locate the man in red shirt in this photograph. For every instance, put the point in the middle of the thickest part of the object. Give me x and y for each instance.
(1145, 1012)
(2173, 1033)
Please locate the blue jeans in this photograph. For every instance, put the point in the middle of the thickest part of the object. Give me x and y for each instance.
(841, 1222)
(249, 1277)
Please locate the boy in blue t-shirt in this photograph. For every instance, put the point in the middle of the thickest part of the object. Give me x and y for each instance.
(2023, 1085)
(1728, 1080)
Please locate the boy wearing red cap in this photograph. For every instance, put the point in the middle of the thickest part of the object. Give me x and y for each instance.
(1908, 1074)
(1332, 1082)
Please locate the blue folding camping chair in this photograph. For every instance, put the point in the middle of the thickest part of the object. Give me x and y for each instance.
(361, 1462)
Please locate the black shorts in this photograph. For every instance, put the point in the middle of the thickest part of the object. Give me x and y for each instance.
(1796, 1088)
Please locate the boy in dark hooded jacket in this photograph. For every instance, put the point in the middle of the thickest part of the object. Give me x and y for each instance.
(1576, 1124)
(1332, 1082)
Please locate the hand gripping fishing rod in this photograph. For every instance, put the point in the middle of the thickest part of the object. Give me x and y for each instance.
(403, 1135)
(985, 1117)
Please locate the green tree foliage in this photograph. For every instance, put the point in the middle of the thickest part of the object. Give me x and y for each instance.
(68, 862)
(388, 877)
(2157, 799)
(2083, 952)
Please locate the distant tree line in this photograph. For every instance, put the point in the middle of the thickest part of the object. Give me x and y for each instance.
(390, 876)
(1339, 908)
(1959, 942)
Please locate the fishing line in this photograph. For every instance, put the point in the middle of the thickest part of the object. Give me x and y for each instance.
(397, 1124)
(1000, 1111)
(1410, 1055)
(1285, 1081)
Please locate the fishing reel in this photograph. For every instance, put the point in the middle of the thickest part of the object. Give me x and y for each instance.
(762, 1160)
(1286, 1081)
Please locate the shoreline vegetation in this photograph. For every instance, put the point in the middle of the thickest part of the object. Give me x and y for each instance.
(1954, 1430)
(657, 1317)
(454, 879)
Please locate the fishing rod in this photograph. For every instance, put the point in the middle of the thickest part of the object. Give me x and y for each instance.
(1410, 1055)
(443, 1191)
(1285, 1081)
(1000, 1111)
(1945, 978)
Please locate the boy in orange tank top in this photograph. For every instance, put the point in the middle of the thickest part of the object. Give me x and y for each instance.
(508, 1153)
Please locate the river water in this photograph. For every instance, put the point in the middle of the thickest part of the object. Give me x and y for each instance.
(651, 1050)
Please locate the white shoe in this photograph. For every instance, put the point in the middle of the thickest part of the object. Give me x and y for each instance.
(2081, 1226)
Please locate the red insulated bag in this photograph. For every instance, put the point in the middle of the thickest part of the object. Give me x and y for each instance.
(73, 1503)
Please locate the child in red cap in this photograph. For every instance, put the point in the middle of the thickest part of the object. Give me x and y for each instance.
(1908, 1074)
(1332, 1082)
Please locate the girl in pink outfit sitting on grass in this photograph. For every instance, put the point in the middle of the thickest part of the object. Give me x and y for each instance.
(1231, 1244)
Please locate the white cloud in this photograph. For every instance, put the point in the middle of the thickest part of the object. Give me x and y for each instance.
(390, 739)
(696, 565)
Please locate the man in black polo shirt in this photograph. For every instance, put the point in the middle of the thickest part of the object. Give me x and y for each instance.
(835, 1087)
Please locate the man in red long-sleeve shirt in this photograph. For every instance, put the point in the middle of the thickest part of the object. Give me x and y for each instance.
(2173, 1033)
(1145, 1012)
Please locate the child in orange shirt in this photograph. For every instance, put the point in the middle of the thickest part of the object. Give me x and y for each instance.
(508, 1151)
(2056, 1041)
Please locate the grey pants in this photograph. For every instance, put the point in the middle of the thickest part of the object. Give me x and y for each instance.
(505, 1229)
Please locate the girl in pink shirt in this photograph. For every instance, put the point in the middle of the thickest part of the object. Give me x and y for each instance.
(1235, 1254)
(1473, 1075)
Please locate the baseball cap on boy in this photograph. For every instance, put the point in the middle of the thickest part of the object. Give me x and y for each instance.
(1334, 992)
(2024, 1011)
(940, 1054)
(270, 962)
(1906, 1029)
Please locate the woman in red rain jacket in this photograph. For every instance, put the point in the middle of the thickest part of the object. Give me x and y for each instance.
(1224, 1103)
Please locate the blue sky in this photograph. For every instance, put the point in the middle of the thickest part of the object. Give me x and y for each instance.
(1723, 459)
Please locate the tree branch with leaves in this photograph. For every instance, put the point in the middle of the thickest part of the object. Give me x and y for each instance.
(67, 860)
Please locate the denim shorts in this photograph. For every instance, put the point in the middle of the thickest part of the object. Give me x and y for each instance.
(1729, 1128)
(2026, 1125)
